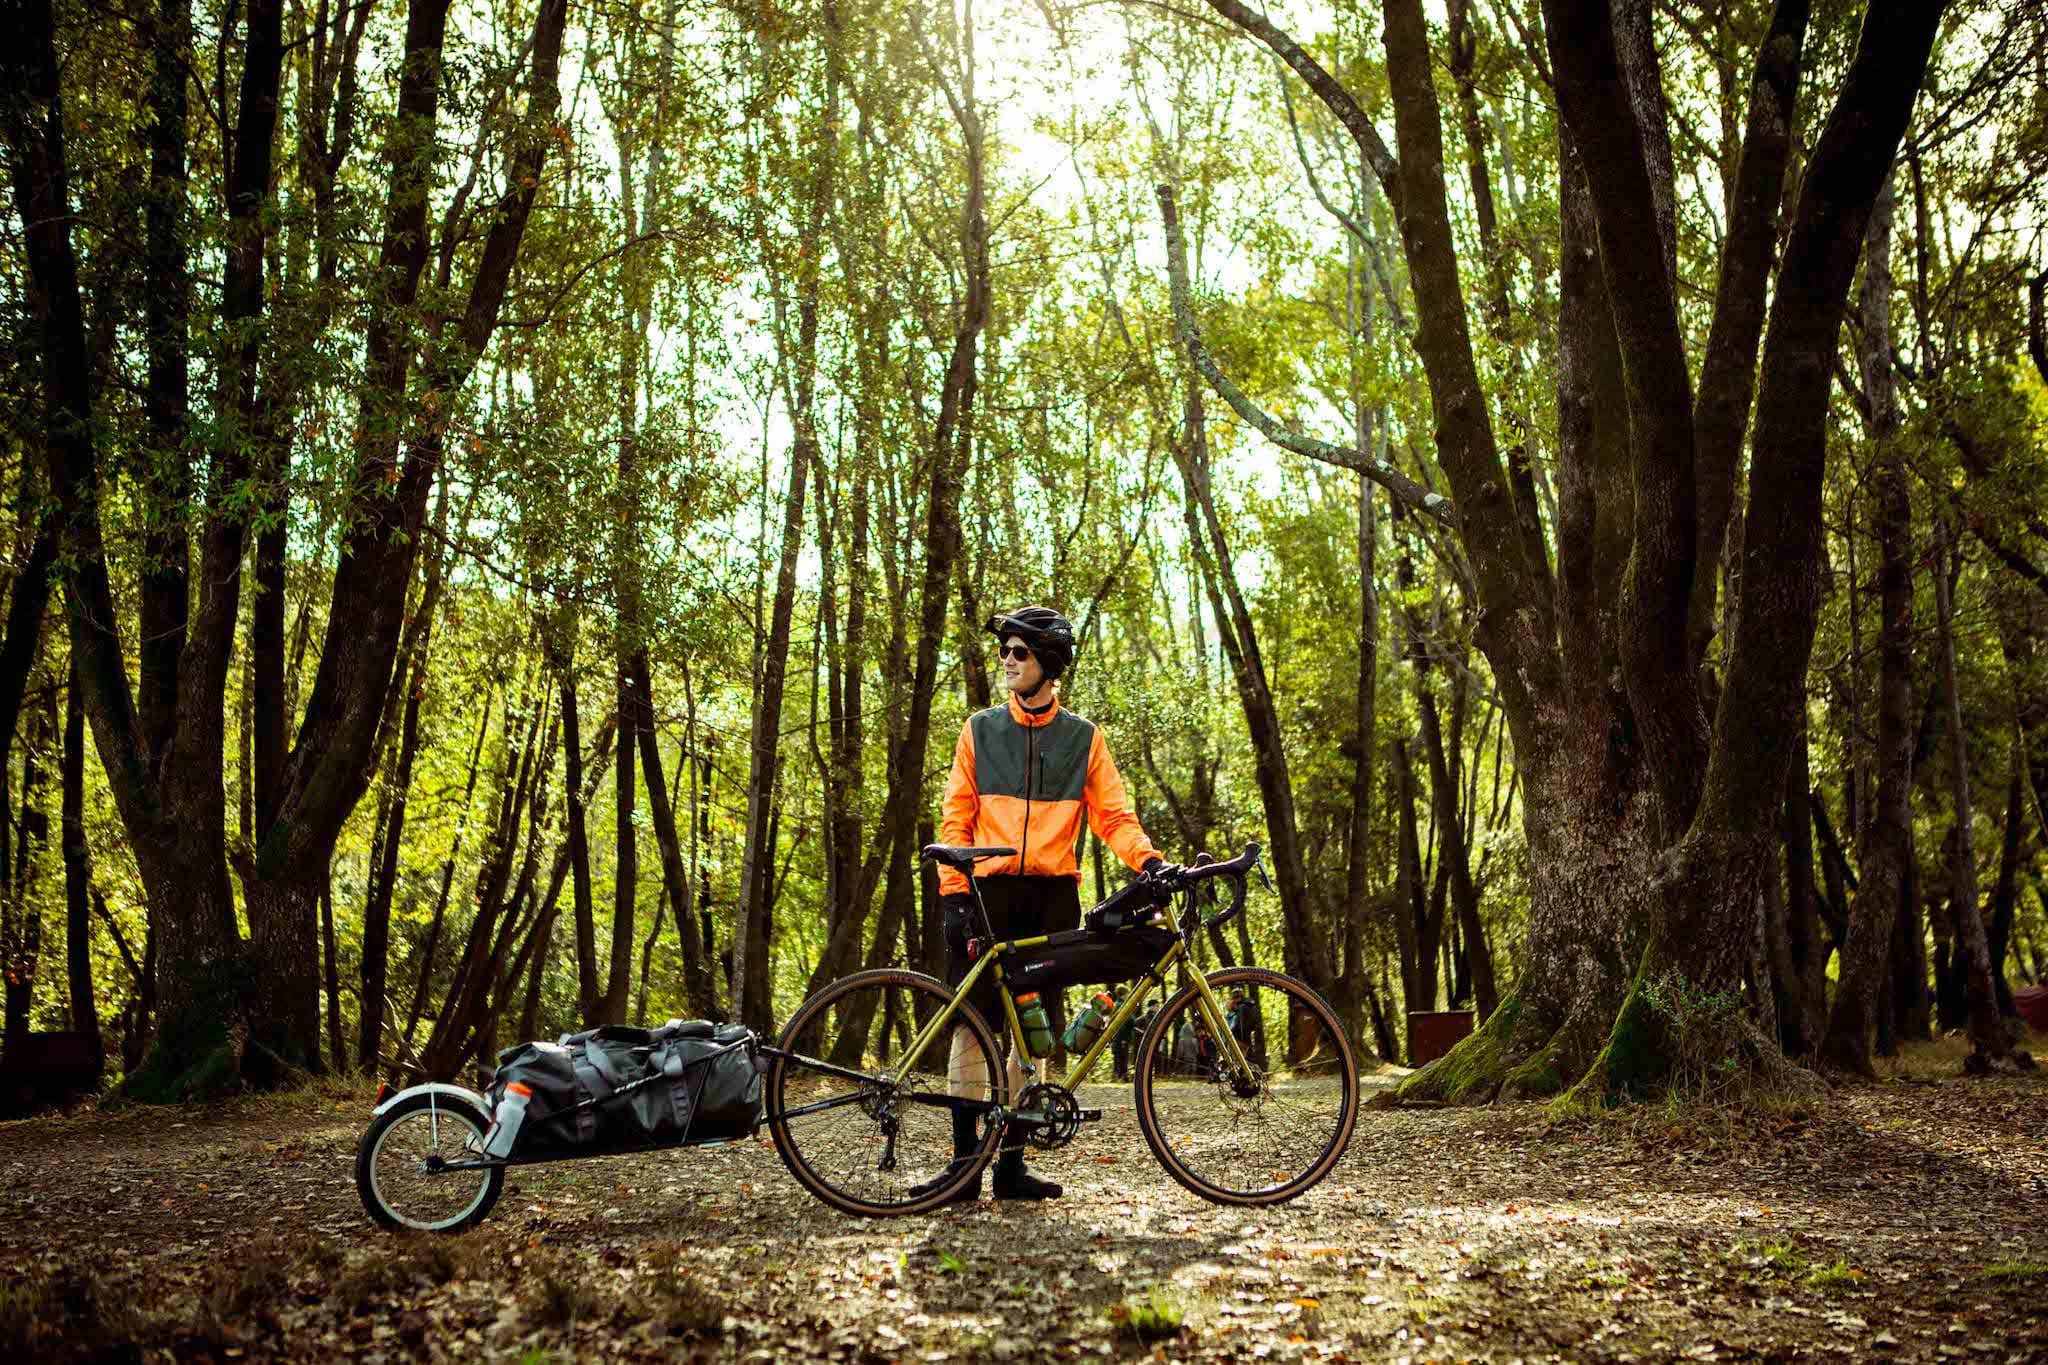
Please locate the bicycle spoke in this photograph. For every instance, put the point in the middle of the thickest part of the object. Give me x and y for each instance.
(869, 1147)
(1234, 1146)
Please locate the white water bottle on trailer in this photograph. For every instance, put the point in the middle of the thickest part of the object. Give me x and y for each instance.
(506, 1122)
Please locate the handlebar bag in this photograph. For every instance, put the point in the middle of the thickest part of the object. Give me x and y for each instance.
(1136, 904)
(1083, 957)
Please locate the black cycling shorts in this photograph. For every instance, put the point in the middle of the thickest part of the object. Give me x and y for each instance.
(1018, 907)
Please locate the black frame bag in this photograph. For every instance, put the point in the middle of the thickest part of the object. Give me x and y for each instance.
(1083, 957)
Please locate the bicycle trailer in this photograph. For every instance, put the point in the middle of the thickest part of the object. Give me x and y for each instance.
(685, 1082)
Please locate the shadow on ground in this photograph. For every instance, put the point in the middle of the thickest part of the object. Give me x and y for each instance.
(1899, 1221)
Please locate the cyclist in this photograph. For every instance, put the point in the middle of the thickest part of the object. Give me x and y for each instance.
(1024, 776)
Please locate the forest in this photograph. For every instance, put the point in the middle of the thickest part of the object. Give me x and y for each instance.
(504, 498)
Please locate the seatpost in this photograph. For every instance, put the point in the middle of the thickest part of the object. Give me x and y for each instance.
(988, 927)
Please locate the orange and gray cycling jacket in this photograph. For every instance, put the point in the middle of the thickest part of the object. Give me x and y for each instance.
(1024, 781)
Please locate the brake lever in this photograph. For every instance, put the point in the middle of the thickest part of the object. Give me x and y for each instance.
(1268, 881)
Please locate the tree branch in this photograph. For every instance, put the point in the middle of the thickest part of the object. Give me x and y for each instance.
(1403, 489)
(1333, 95)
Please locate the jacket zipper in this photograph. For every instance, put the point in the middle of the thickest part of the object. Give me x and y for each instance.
(1030, 754)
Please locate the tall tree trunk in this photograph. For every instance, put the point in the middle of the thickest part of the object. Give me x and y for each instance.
(1912, 1019)
(2005, 892)
(1418, 931)
(383, 879)
(951, 446)
(1799, 980)
(1357, 912)
(1456, 854)
(337, 1049)
(347, 711)
(85, 1016)
(625, 857)
(699, 989)
(21, 917)
(435, 922)
(1305, 942)
(1988, 1041)
(753, 1003)
(589, 994)
(1886, 841)
(1708, 880)
(164, 599)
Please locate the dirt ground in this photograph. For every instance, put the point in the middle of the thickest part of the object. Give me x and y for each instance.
(1906, 1220)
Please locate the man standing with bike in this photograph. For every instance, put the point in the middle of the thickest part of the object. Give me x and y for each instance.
(1024, 776)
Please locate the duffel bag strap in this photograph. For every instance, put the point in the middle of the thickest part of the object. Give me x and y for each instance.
(600, 1061)
(594, 1082)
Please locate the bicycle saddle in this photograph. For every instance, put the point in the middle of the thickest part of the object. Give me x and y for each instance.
(964, 858)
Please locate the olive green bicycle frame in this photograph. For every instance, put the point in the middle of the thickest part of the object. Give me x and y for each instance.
(991, 959)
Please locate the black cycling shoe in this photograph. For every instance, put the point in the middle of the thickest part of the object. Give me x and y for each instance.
(1013, 1181)
(966, 1141)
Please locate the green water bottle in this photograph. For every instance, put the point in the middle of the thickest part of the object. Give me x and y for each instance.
(1037, 1028)
(1088, 1024)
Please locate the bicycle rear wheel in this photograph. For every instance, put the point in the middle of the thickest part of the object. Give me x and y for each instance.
(852, 1126)
(1254, 1139)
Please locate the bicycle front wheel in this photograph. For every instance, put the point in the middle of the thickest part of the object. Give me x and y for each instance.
(1250, 1139)
(859, 1129)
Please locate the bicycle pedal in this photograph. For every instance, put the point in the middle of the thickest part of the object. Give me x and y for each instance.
(1091, 1116)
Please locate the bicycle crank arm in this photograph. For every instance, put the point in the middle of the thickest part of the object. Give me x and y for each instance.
(1035, 1118)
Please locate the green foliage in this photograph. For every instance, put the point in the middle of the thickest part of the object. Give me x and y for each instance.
(613, 474)
(1152, 1316)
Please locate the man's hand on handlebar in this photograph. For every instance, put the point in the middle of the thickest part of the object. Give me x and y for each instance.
(1162, 873)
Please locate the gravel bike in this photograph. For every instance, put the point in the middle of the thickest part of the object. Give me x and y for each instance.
(861, 1092)
(859, 1096)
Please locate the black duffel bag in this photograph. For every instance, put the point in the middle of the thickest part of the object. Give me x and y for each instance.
(1085, 957)
(700, 1084)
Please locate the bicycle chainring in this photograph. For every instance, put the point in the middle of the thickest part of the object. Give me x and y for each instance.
(1062, 1115)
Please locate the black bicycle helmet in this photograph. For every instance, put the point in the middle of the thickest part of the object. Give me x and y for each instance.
(1050, 635)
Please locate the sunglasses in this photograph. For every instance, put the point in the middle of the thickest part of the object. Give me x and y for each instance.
(1018, 652)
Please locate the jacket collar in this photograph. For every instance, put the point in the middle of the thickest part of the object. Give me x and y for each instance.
(1043, 718)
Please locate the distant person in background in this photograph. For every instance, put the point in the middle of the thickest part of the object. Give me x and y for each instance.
(1205, 1052)
(1126, 1039)
(1240, 1018)
(1186, 1048)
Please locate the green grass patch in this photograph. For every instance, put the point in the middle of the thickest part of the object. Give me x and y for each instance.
(1778, 1255)
(2014, 1272)
(1834, 1279)
(1152, 1316)
(1430, 1306)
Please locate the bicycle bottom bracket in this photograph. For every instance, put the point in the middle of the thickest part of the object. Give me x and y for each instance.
(1059, 1115)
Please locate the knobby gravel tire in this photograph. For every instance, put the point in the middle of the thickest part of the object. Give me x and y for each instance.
(1342, 1063)
(813, 1016)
